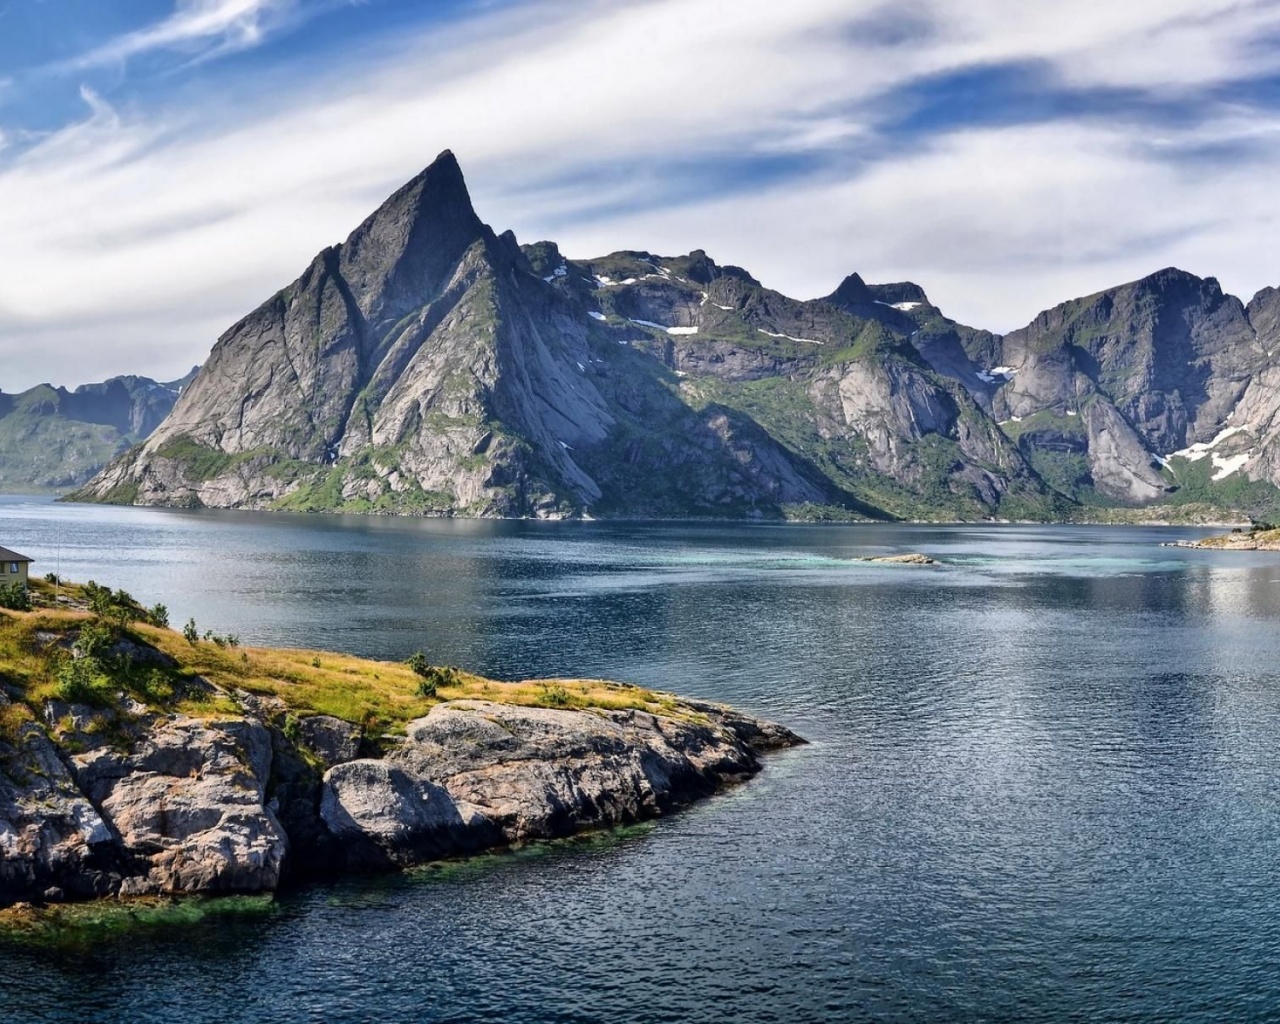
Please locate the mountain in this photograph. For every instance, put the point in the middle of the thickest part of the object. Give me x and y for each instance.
(429, 365)
(52, 438)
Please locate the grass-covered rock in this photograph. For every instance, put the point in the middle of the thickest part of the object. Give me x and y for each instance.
(136, 759)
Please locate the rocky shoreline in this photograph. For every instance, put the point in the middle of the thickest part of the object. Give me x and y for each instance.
(1236, 540)
(128, 801)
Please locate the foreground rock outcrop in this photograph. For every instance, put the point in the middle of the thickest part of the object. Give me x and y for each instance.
(128, 802)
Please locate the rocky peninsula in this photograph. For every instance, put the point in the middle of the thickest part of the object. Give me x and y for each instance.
(1258, 538)
(137, 760)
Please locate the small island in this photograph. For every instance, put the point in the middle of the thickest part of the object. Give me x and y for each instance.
(138, 760)
(1258, 537)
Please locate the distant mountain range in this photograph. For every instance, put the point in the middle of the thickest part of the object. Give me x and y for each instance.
(52, 438)
(430, 366)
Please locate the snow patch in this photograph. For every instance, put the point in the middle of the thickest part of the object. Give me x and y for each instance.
(565, 447)
(1072, 412)
(1199, 450)
(996, 375)
(582, 368)
(1227, 466)
(595, 314)
(806, 341)
(664, 327)
(727, 309)
(560, 271)
(906, 307)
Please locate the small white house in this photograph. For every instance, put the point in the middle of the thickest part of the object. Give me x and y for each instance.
(14, 568)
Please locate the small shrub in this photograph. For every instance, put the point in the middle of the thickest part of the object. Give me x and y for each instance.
(154, 687)
(81, 681)
(554, 696)
(418, 662)
(190, 632)
(432, 678)
(100, 599)
(315, 662)
(95, 639)
(52, 577)
(14, 596)
(159, 616)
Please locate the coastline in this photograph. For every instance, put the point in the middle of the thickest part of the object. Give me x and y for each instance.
(200, 767)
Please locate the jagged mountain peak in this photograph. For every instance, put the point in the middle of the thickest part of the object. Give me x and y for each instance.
(853, 291)
(406, 247)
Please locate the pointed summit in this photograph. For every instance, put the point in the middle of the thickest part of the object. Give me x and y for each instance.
(853, 292)
(403, 251)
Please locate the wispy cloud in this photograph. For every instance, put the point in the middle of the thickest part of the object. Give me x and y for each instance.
(802, 140)
(196, 26)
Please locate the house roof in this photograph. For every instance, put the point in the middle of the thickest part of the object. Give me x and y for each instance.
(12, 556)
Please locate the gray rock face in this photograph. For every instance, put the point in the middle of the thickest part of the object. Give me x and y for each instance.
(475, 774)
(330, 739)
(173, 804)
(51, 836)
(188, 806)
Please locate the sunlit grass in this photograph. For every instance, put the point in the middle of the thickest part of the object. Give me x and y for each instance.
(380, 696)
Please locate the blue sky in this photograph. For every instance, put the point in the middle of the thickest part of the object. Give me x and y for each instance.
(167, 164)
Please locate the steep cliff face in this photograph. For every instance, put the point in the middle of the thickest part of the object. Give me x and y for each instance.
(427, 365)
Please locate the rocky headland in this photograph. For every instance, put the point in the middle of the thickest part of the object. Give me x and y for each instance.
(136, 760)
(1256, 539)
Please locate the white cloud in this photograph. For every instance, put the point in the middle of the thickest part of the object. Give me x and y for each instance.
(228, 25)
(997, 224)
(131, 240)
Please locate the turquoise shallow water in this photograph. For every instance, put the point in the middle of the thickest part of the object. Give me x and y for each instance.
(1042, 784)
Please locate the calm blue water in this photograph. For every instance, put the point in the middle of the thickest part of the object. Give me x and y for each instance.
(1043, 782)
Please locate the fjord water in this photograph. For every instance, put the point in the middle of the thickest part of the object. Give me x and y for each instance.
(1042, 783)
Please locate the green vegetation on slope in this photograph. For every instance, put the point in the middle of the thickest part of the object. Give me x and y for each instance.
(64, 650)
(1195, 485)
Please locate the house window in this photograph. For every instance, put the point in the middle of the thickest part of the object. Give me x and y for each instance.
(13, 566)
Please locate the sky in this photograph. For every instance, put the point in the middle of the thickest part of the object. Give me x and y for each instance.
(166, 165)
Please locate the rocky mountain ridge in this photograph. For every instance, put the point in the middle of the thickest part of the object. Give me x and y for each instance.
(52, 438)
(428, 365)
